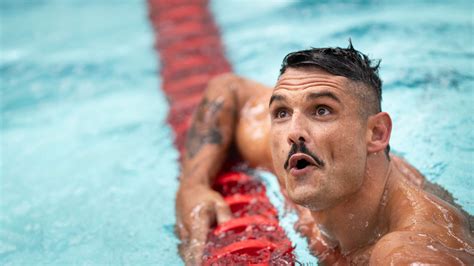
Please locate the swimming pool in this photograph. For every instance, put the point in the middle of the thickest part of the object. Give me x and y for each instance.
(88, 169)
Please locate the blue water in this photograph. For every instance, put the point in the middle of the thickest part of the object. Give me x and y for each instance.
(88, 171)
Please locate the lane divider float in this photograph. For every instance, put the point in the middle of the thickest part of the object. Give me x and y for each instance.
(191, 53)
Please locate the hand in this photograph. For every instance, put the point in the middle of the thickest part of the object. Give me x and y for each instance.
(197, 208)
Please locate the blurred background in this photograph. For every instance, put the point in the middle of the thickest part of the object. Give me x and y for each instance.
(88, 170)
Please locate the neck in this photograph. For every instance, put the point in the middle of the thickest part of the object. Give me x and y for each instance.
(357, 221)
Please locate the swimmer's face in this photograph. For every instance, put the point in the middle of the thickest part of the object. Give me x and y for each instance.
(318, 137)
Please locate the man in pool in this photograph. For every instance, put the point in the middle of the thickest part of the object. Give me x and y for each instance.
(322, 132)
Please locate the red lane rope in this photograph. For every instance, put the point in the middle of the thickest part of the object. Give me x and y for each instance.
(191, 53)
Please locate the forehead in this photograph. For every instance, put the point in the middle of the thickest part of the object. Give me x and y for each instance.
(299, 79)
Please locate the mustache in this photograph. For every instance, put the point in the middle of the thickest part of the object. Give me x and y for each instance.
(301, 148)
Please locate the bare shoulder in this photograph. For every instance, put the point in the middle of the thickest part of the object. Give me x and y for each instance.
(244, 89)
(416, 178)
(253, 123)
(410, 173)
(427, 230)
(407, 247)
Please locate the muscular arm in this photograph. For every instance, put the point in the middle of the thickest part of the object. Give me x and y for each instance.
(213, 129)
(208, 141)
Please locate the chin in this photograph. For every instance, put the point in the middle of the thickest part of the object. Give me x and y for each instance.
(305, 191)
(307, 198)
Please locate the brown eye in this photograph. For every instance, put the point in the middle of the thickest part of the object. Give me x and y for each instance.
(322, 111)
(282, 113)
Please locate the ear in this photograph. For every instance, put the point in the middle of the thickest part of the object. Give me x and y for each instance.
(379, 128)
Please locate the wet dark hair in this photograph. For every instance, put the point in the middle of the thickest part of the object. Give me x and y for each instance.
(346, 62)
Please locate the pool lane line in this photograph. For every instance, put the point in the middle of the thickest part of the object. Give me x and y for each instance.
(191, 53)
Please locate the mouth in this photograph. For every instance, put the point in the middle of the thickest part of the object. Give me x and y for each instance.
(300, 163)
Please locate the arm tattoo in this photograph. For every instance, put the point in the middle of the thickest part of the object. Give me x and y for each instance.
(205, 127)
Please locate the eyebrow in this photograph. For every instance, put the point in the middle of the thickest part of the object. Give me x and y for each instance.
(277, 98)
(311, 96)
(315, 95)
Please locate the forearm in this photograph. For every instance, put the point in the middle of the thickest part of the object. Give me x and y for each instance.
(211, 132)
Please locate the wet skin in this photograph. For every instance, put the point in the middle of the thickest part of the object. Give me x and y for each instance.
(355, 205)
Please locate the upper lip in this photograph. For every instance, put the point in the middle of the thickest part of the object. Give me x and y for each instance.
(300, 156)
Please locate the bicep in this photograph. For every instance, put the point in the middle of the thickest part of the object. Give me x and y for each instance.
(241, 89)
(246, 118)
(253, 131)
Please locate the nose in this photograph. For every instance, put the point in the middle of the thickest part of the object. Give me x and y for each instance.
(297, 132)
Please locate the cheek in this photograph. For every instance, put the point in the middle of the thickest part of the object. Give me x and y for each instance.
(349, 144)
(342, 144)
(350, 151)
(349, 138)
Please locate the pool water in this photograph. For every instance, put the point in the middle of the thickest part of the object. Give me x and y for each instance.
(88, 171)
